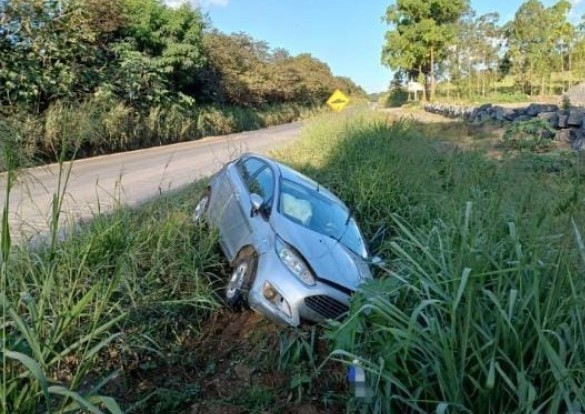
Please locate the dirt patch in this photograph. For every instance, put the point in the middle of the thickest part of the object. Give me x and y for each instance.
(304, 409)
(213, 408)
(415, 114)
(237, 363)
(452, 134)
(456, 135)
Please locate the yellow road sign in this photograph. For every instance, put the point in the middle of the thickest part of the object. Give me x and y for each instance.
(338, 100)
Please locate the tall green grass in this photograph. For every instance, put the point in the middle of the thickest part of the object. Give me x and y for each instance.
(480, 308)
(123, 284)
(103, 125)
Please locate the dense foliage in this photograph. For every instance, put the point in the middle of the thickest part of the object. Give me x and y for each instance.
(423, 29)
(144, 53)
(540, 48)
(127, 74)
(243, 71)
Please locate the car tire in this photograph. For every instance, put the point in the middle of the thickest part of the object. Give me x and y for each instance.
(240, 281)
(202, 206)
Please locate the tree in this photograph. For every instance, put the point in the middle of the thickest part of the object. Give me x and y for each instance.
(488, 43)
(562, 33)
(577, 53)
(172, 39)
(534, 41)
(53, 49)
(475, 52)
(243, 71)
(348, 86)
(421, 32)
(144, 53)
(235, 71)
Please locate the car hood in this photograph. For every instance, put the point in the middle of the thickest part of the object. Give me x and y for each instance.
(328, 258)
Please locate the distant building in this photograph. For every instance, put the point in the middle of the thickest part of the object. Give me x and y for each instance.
(415, 88)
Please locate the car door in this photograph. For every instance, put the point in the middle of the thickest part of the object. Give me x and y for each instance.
(246, 176)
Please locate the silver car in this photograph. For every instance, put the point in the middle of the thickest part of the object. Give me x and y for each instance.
(296, 251)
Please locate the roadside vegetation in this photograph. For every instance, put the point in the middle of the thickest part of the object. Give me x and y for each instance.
(460, 55)
(478, 308)
(119, 291)
(134, 73)
(105, 125)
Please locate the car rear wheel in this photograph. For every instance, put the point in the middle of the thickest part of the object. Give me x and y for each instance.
(201, 207)
(240, 282)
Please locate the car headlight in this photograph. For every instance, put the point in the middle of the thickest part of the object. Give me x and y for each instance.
(294, 262)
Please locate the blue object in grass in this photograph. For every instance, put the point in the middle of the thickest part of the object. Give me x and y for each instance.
(356, 376)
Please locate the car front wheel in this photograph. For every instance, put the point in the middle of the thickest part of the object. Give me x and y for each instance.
(241, 278)
(201, 207)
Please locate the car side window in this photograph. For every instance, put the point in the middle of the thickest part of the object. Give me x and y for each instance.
(249, 167)
(258, 177)
(263, 185)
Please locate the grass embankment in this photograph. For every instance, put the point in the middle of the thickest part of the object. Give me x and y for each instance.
(122, 290)
(104, 126)
(480, 308)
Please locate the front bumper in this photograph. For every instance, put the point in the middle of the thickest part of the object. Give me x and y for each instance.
(289, 289)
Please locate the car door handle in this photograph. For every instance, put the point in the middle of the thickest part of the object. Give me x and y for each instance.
(237, 196)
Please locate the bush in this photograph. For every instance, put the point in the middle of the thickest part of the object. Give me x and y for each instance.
(534, 135)
(104, 125)
(395, 98)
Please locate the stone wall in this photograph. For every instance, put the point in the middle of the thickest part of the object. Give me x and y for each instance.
(569, 123)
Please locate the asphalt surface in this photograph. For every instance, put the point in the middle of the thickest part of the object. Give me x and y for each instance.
(96, 185)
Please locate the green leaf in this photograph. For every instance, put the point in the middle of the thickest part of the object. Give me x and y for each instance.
(79, 401)
(34, 368)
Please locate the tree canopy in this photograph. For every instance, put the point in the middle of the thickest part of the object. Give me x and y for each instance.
(421, 30)
(144, 53)
(447, 40)
(535, 38)
(243, 71)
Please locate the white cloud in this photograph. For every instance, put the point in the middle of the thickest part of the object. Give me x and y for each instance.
(200, 4)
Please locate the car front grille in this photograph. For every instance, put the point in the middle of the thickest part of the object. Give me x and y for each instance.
(326, 306)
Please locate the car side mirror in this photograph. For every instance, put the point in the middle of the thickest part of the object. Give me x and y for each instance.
(257, 201)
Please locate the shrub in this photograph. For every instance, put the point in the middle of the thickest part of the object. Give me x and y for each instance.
(534, 135)
(104, 125)
(395, 98)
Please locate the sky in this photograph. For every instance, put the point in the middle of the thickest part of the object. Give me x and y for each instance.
(346, 34)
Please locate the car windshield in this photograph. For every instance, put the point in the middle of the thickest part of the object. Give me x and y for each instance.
(319, 212)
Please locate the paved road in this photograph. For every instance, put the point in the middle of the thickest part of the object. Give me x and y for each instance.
(100, 183)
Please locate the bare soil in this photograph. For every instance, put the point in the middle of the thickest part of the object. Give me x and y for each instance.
(453, 134)
(232, 367)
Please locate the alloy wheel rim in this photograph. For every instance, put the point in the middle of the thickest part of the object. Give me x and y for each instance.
(236, 280)
(200, 208)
